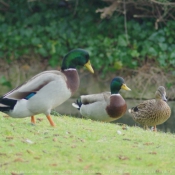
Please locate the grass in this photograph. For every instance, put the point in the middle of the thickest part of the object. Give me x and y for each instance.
(79, 146)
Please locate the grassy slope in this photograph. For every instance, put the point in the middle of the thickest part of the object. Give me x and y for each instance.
(78, 146)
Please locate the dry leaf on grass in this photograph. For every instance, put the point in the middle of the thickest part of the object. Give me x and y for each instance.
(53, 164)
(13, 173)
(30, 152)
(19, 159)
(123, 157)
(9, 137)
(148, 143)
(54, 139)
(153, 152)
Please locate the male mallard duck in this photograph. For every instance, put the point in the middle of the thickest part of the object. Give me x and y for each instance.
(152, 112)
(47, 89)
(105, 106)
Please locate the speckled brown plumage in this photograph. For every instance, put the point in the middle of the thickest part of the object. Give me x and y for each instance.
(152, 112)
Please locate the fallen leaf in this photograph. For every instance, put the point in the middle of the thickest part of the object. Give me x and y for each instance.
(153, 152)
(13, 173)
(158, 171)
(56, 135)
(80, 160)
(81, 140)
(148, 143)
(54, 139)
(9, 137)
(54, 164)
(11, 145)
(30, 152)
(19, 154)
(4, 164)
(40, 119)
(6, 116)
(127, 139)
(123, 157)
(73, 146)
(3, 154)
(19, 159)
(138, 158)
(37, 158)
(87, 167)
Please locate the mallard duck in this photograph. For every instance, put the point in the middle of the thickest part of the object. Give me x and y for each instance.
(152, 112)
(47, 89)
(106, 106)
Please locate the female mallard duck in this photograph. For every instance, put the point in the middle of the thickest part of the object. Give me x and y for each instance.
(104, 106)
(152, 112)
(47, 89)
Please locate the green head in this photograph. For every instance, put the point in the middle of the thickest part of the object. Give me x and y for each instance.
(118, 83)
(77, 57)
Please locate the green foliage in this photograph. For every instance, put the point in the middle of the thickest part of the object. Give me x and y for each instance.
(5, 82)
(52, 29)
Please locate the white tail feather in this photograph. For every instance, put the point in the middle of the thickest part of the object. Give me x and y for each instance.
(129, 110)
(75, 105)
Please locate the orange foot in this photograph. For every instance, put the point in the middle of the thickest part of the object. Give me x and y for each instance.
(50, 120)
(154, 128)
(33, 119)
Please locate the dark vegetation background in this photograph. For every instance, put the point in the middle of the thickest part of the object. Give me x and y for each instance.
(126, 37)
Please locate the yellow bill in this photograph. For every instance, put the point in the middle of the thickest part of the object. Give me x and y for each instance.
(125, 87)
(89, 67)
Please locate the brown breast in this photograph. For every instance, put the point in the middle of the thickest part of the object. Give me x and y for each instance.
(72, 79)
(117, 106)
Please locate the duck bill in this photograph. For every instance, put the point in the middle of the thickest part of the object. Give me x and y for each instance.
(125, 87)
(89, 67)
(164, 98)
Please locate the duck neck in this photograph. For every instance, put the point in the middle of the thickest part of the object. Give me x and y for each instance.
(68, 62)
(115, 87)
(114, 91)
(73, 81)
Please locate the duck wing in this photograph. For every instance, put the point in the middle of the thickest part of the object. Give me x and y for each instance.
(29, 88)
(145, 108)
(88, 99)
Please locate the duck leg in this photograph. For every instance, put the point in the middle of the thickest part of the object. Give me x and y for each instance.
(50, 120)
(154, 128)
(145, 127)
(33, 119)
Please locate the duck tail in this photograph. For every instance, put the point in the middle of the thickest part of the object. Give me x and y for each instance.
(129, 110)
(77, 104)
(7, 104)
(133, 109)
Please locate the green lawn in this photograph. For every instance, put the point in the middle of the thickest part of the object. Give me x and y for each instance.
(79, 146)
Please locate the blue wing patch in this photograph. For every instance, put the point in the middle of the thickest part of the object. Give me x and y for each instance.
(30, 95)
